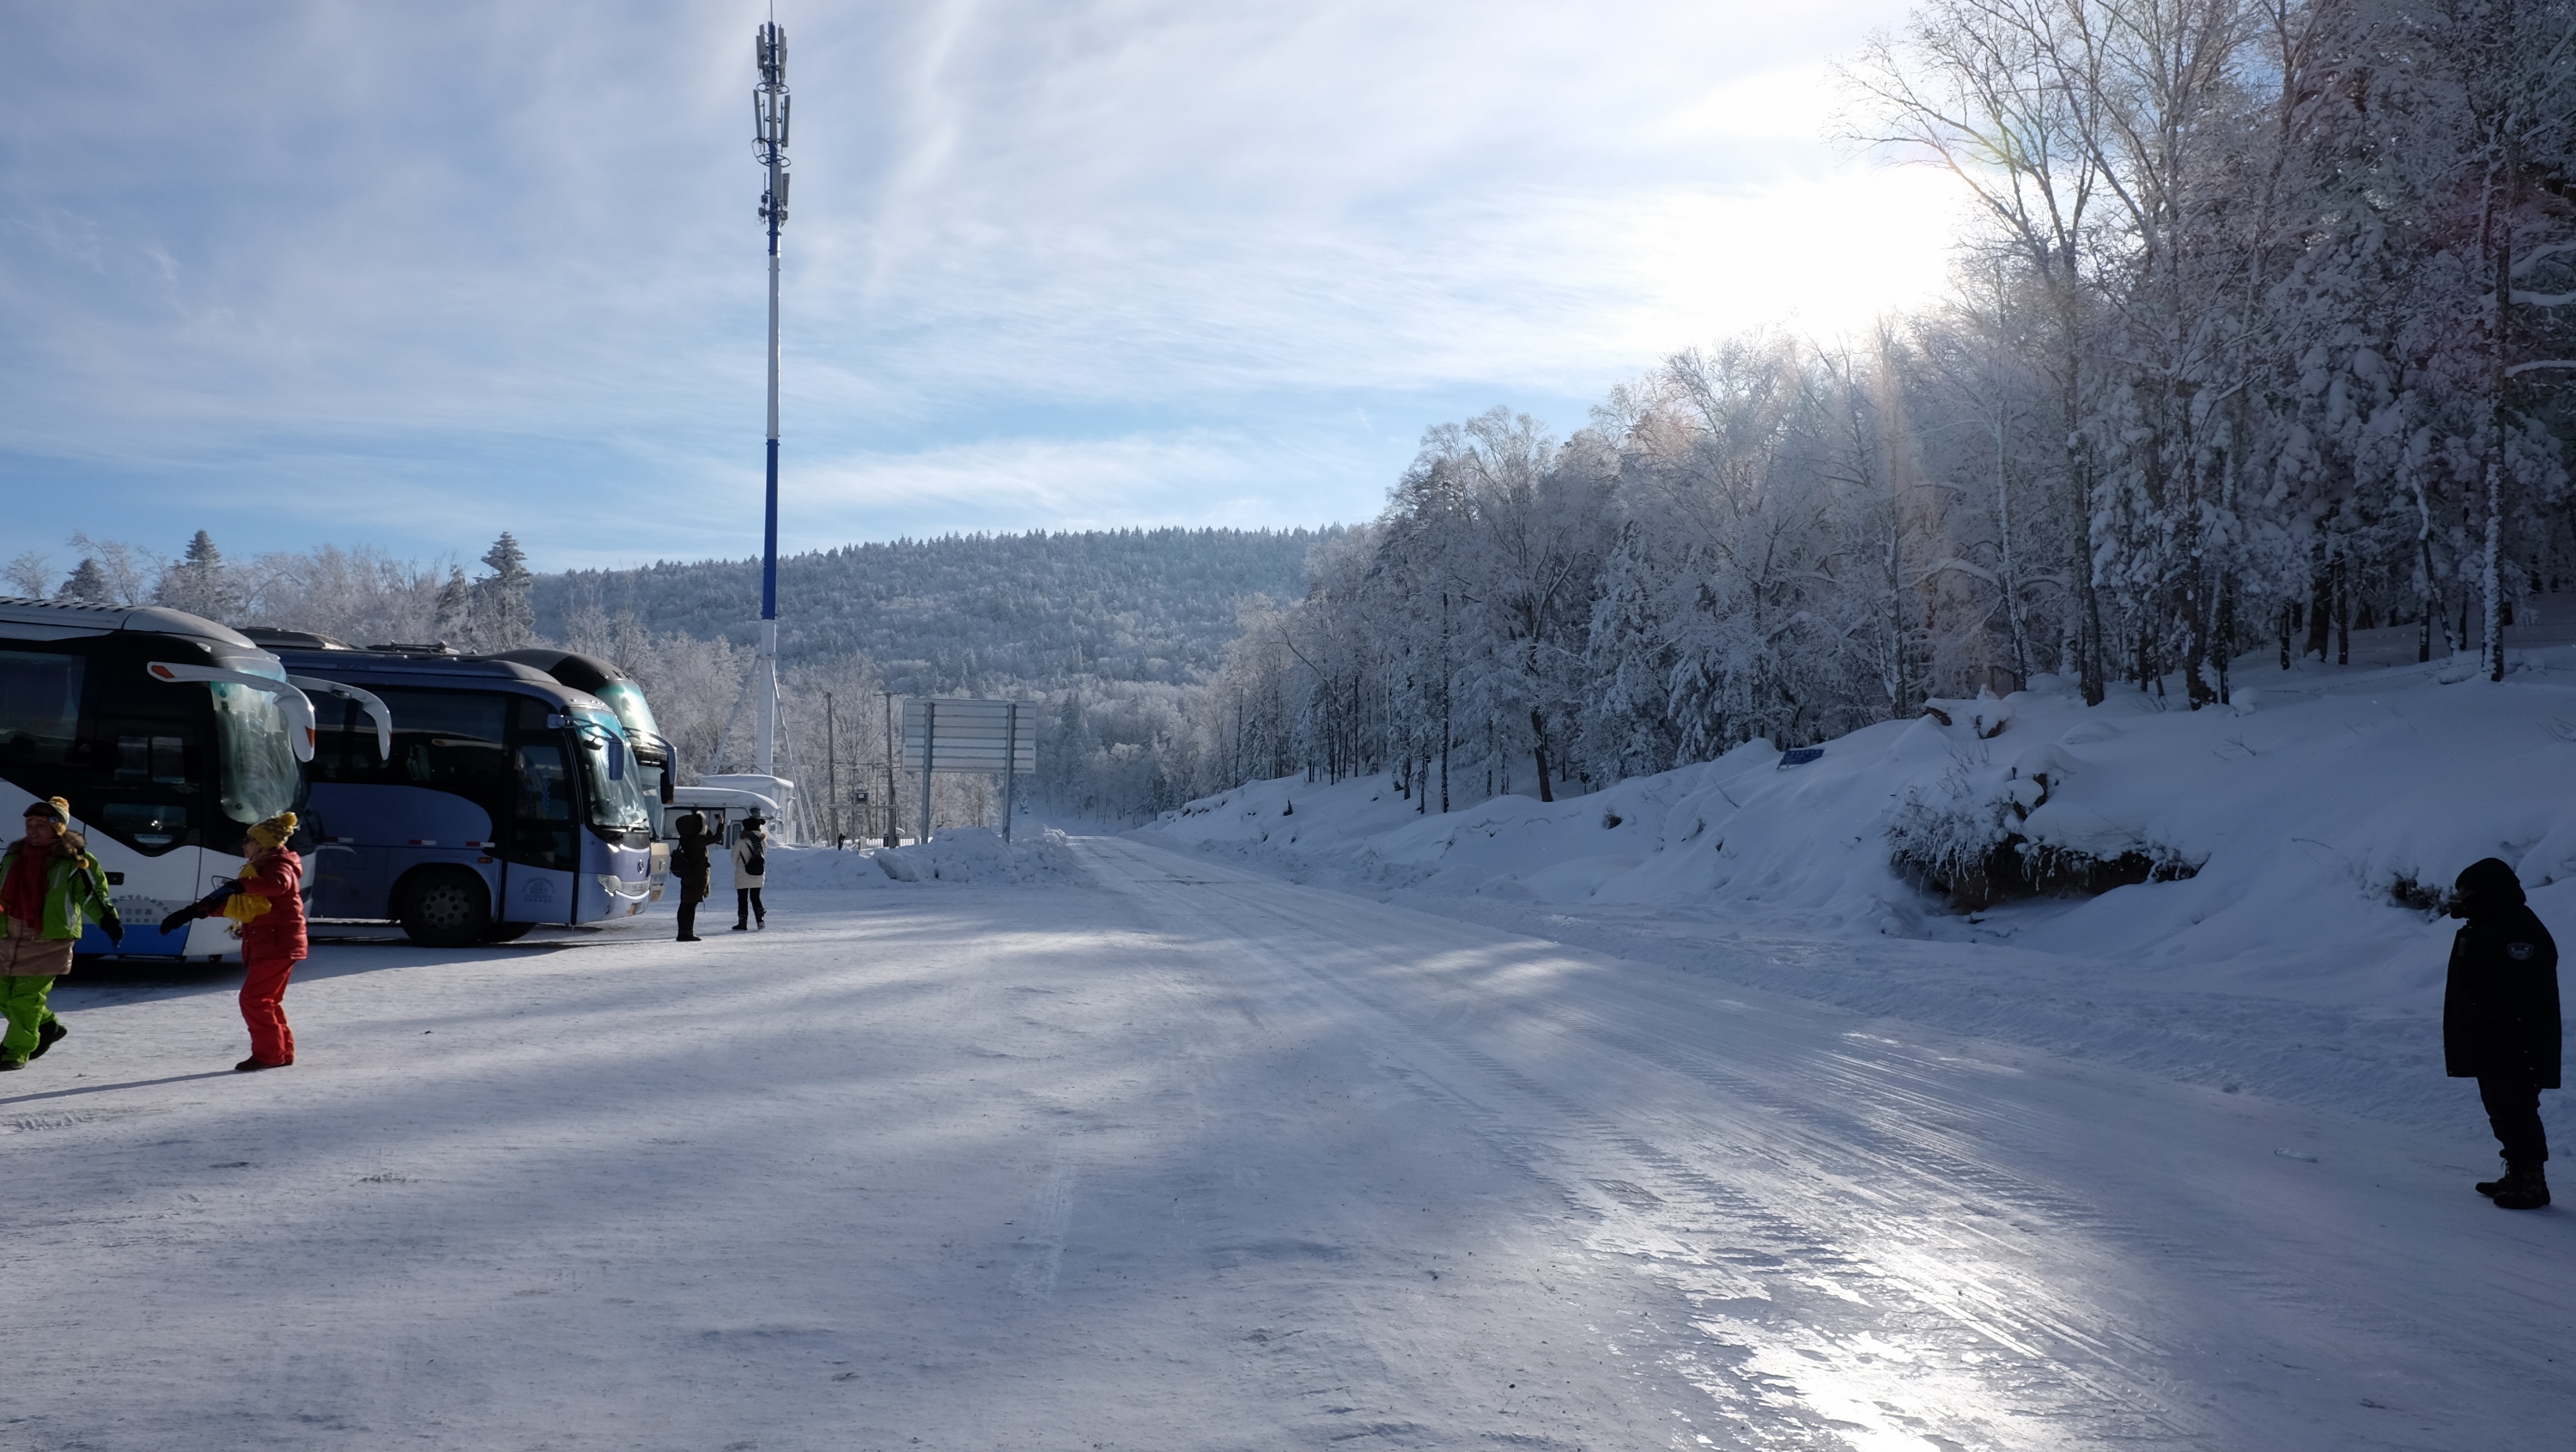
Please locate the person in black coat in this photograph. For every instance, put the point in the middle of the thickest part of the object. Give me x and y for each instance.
(2500, 1022)
(689, 863)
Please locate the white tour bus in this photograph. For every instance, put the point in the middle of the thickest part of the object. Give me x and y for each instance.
(167, 733)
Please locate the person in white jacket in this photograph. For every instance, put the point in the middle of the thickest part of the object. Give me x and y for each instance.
(750, 869)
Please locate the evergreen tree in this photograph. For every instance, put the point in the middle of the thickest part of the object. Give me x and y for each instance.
(200, 583)
(503, 617)
(453, 609)
(87, 582)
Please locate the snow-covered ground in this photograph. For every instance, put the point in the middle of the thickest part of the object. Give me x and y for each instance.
(2286, 965)
(1176, 1155)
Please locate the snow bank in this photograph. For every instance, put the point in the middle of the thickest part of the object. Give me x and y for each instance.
(2299, 827)
(957, 854)
(821, 867)
(978, 854)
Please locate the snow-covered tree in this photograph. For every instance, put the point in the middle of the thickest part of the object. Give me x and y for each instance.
(113, 571)
(453, 608)
(30, 574)
(502, 615)
(200, 582)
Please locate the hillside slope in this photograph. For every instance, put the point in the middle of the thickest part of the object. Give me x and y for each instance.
(2301, 952)
(949, 613)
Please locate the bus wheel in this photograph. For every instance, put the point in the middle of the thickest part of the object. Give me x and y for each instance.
(506, 932)
(445, 908)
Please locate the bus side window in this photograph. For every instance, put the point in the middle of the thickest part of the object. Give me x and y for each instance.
(155, 761)
(40, 697)
(335, 738)
(545, 782)
(148, 791)
(447, 741)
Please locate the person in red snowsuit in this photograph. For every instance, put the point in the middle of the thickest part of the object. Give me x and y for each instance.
(272, 942)
(268, 904)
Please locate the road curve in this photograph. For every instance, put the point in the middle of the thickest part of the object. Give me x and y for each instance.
(1851, 1232)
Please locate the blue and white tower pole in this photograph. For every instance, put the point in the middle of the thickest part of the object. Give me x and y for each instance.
(769, 110)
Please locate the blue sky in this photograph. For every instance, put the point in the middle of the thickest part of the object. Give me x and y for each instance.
(408, 275)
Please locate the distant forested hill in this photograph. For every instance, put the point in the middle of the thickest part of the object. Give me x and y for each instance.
(968, 612)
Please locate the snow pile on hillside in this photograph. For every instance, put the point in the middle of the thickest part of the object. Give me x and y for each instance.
(978, 854)
(815, 867)
(2302, 832)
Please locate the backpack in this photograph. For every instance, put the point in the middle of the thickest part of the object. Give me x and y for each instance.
(755, 861)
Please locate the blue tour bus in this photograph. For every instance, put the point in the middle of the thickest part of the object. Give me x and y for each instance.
(168, 734)
(507, 798)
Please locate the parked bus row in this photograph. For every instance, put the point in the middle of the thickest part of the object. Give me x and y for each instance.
(467, 798)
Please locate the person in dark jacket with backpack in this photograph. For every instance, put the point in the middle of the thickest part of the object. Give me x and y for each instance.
(2500, 1022)
(750, 870)
(690, 865)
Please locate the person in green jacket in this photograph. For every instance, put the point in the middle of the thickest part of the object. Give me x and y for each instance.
(50, 886)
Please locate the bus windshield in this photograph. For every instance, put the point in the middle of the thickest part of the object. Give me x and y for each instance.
(616, 797)
(255, 763)
(627, 700)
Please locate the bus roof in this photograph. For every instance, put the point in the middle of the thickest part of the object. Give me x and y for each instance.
(572, 667)
(374, 668)
(68, 619)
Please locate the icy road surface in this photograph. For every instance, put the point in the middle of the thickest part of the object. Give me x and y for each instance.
(1190, 1158)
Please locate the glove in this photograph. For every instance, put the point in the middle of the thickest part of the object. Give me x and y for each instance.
(206, 906)
(114, 927)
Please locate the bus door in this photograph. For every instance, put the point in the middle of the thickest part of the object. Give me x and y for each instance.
(543, 834)
(153, 798)
(347, 874)
(151, 789)
(130, 754)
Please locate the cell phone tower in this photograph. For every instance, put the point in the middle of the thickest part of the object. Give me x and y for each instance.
(769, 114)
(760, 685)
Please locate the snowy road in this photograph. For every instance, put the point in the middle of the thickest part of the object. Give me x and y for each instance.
(1192, 1158)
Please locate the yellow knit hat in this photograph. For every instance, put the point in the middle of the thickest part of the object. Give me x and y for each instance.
(274, 831)
(54, 807)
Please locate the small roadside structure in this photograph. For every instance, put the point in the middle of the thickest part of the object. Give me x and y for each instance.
(952, 733)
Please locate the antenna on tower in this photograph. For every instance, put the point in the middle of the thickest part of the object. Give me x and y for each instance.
(769, 112)
(769, 108)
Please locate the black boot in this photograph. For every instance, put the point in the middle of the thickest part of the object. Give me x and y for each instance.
(47, 1035)
(2524, 1187)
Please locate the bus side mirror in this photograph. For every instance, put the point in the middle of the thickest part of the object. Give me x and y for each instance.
(617, 761)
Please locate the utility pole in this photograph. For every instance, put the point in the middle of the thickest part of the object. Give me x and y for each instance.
(894, 801)
(1010, 769)
(929, 745)
(832, 767)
